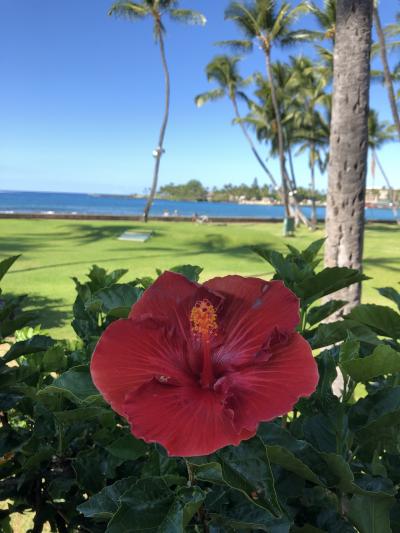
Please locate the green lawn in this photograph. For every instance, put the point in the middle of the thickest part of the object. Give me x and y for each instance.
(55, 250)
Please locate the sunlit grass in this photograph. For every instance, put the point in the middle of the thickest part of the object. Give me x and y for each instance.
(53, 251)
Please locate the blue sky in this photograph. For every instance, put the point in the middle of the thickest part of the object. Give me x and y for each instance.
(81, 99)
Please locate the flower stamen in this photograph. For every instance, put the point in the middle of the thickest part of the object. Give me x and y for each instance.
(203, 322)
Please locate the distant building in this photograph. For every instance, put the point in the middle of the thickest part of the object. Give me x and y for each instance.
(382, 196)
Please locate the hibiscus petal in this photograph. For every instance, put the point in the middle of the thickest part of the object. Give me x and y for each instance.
(171, 298)
(186, 420)
(129, 355)
(252, 311)
(267, 390)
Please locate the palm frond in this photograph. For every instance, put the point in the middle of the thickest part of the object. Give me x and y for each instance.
(236, 45)
(245, 17)
(209, 96)
(129, 10)
(187, 16)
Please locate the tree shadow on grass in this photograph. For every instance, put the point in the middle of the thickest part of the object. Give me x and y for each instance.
(214, 243)
(50, 312)
(382, 228)
(88, 233)
(89, 263)
(383, 262)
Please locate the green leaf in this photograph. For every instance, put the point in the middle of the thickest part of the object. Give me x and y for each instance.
(6, 264)
(294, 455)
(54, 359)
(81, 414)
(371, 514)
(317, 314)
(377, 415)
(10, 326)
(191, 272)
(311, 252)
(128, 448)
(152, 507)
(349, 350)
(381, 319)
(328, 334)
(103, 505)
(116, 300)
(38, 343)
(326, 282)
(76, 384)
(391, 294)
(383, 360)
(245, 468)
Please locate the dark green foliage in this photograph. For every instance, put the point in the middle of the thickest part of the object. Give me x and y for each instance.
(333, 465)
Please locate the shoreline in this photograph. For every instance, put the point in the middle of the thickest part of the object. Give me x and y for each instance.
(139, 218)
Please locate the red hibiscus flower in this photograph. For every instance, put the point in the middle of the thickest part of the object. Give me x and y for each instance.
(198, 367)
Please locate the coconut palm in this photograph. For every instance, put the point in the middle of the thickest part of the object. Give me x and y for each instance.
(325, 18)
(386, 69)
(267, 23)
(308, 99)
(157, 10)
(223, 69)
(262, 118)
(349, 140)
(379, 133)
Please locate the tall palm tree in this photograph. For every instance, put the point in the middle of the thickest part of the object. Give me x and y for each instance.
(379, 133)
(157, 10)
(309, 126)
(325, 18)
(268, 24)
(386, 69)
(262, 118)
(223, 69)
(349, 140)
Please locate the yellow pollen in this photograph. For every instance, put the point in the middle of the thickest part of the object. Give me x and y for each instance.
(203, 319)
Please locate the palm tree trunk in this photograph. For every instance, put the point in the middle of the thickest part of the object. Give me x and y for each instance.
(313, 206)
(349, 141)
(159, 150)
(392, 191)
(291, 166)
(386, 70)
(281, 147)
(253, 148)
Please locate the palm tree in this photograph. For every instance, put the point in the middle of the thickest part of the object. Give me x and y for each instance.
(386, 69)
(325, 18)
(157, 9)
(263, 22)
(349, 140)
(380, 133)
(307, 100)
(263, 119)
(224, 71)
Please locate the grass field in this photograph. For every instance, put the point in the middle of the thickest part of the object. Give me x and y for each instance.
(55, 250)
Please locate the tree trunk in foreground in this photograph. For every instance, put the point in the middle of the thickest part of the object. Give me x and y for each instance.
(159, 150)
(386, 71)
(349, 141)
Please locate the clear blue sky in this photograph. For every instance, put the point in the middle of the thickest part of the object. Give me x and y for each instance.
(81, 98)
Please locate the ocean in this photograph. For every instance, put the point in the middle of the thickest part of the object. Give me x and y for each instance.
(92, 204)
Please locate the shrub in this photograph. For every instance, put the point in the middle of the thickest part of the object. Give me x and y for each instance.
(332, 465)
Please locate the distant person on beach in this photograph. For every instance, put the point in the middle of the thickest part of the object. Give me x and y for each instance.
(165, 213)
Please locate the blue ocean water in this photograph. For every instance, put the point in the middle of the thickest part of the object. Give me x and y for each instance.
(91, 204)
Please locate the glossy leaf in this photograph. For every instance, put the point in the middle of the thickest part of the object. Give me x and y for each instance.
(383, 360)
(76, 384)
(245, 468)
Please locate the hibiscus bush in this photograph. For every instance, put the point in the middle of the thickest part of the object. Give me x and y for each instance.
(192, 372)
